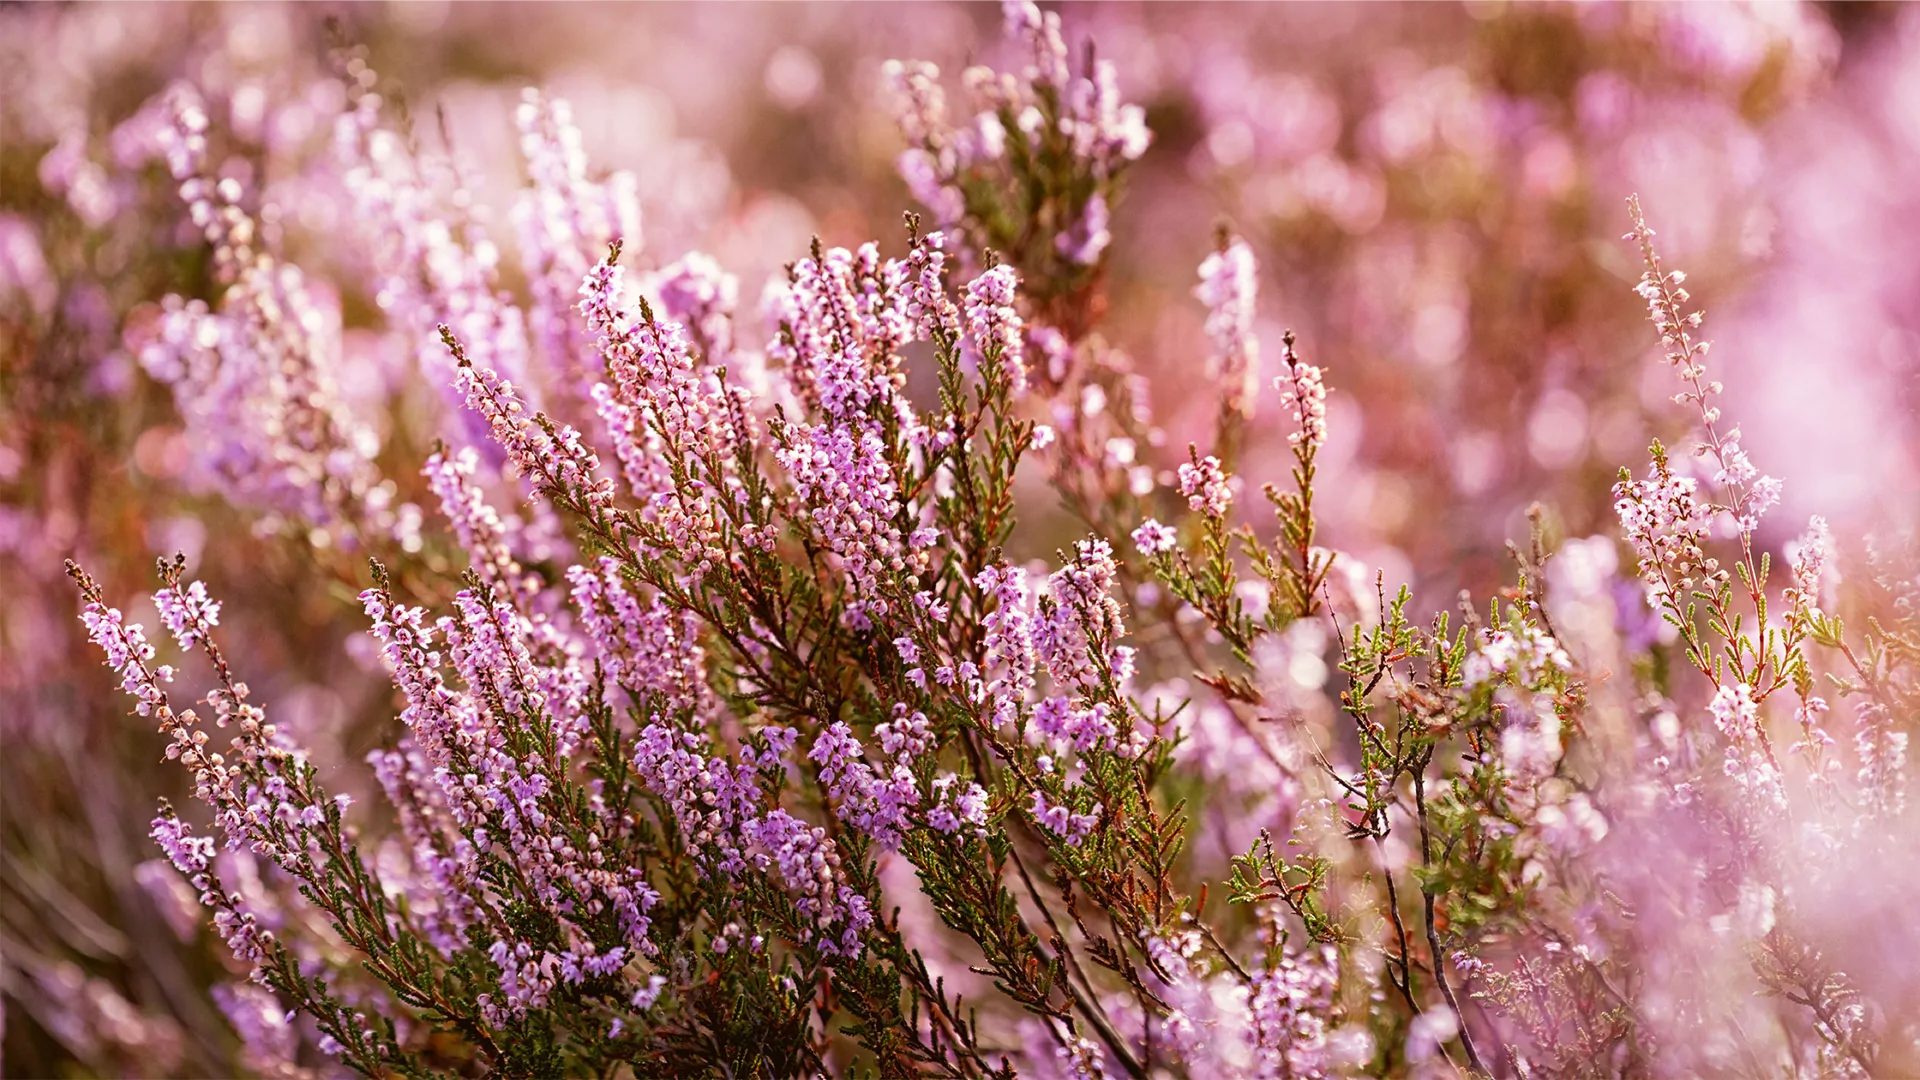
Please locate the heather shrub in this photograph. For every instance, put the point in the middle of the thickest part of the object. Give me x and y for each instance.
(580, 668)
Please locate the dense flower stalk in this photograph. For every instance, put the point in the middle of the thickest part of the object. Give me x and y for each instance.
(1228, 285)
(255, 376)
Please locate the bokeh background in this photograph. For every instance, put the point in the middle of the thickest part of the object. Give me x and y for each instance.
(1435, 193)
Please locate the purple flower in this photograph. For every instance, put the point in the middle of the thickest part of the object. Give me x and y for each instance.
(1079, 621)
(187, 613)
(1060, 820)
(1153, 538)
(994, 330)
(1087, 239)
(1204, 485)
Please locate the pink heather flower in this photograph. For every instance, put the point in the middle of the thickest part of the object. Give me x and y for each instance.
(467, 771)
(905, 737)
(187, 612)
(127, 652)
(644, 998)
(1039, 31)
(1079, 729)
(994, 336)
(1810, 556)
(714, 797)
(648, 648)
(1664, 520)
(1102, 133)
(919, 105)
(183, 141)
(268, 1037)
(1429, 1032)
(434, 261)
(1087, 238)
(1522, 659)
(1152, 538)
(1229, 281)
(670, 415)
(1303, 393)
(1055, 351)
(984, 140)
(1764, 496)
(698, 294)
(1737, 715)
(719, 804)
(1530, 736)
(927, 304)
(193, 856)
(1081, 1059)
(844, 317)
(1289, 1004)
(952, 813)
(931, 186)
(254, 375)
(1204, 485)
(809, 864)
(1061, 821)
(476, 525)
(190, 854)
(875, 802)
(553, 455)
(565, 221)
(1750, 495)
(1753, 494)
(1815, 741)
(1079, 621)
(1882, 751)
(850, 500)
(641, 454)
(450, 870)
(1105, 131)
(651, 370)
(1009, 655)
(407, 648)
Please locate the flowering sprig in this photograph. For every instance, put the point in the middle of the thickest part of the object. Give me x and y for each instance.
(552, 455)
(1301, 574)
(1229, 283)
(565, 220)
(435, 262)
(265, 799)
(1034, 172)
(1669, 526)
(1294, 570)
(254, 377)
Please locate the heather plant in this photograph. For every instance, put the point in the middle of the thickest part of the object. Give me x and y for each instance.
(874, 686)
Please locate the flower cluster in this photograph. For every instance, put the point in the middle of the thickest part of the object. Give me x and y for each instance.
(127, 651)
(728, 717)
(1229, 281)
(1749, 758)
(1071, 134)
(1666, 523)
(565, 221)
(1061, 820)
(993, 326)
(1079, 626)
(255, 378)
(1303, 393)
(877, 803)
(1204, 485)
